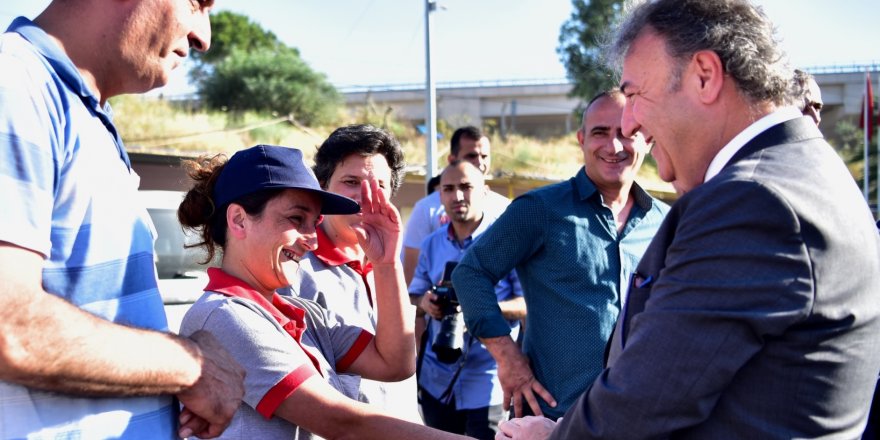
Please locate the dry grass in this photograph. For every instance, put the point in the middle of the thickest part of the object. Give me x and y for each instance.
(156, 126)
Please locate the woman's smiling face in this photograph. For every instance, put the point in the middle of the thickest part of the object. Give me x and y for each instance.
(279, 237)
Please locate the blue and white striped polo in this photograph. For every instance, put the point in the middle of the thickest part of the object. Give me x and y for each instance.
(67, 192)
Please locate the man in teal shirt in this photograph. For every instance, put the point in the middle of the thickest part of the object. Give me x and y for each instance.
(574, 245)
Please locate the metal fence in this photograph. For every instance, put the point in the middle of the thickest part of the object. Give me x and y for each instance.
(844, 68)
(873, 66)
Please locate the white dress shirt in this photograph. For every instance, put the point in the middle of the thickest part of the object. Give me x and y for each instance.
(779, 116)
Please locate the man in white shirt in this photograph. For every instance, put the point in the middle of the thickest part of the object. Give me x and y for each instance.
(468, 144)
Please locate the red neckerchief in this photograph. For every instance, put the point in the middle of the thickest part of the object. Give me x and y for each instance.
(289, 316)
(332, 256)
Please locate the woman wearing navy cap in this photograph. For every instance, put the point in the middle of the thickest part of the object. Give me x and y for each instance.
(260, 209)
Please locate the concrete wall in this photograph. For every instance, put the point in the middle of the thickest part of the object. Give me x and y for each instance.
(531, 109)
(545, 109)
(842, 94)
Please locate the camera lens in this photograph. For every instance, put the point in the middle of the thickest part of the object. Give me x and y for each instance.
(449, 340)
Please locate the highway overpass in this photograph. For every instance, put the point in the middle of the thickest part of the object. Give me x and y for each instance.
(543, 107)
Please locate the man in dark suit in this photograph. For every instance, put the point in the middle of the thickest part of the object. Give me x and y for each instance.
(755, 311)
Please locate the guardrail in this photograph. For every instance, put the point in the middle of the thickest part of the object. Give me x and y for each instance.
(871, 66)
(452, 85)
(844, 68)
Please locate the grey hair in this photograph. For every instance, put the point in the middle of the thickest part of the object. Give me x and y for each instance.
(800, 89)
(739, 32)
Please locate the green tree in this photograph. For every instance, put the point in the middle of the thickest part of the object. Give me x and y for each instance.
(249, 68)
(580, 45)
(849, 137)
(268, 80)
(230, 30)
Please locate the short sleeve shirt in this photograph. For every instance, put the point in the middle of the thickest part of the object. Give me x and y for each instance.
(330, 279)
(69, 194)
(345, 287)
(279, 344)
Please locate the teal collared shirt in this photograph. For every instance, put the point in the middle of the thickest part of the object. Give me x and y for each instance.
(573, 266)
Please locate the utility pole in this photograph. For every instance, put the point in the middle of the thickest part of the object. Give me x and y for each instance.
(867, 109)
(430, 96)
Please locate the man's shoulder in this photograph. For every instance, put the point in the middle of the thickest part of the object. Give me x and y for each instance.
(779, 168)
(567, 185)
(32, 86)
(424, 218)
(14, 46)
(496, 203)
(804, 177)
(498, 197)
(532, 204)
(20, 58)
(732, 198)
(436, 238)
(429, 201)
(20, 54)
(551, 194)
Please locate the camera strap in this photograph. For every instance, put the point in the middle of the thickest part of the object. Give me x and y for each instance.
(420, 359)
(446, 397)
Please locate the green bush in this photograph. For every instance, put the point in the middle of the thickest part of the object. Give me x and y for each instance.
(271, 81)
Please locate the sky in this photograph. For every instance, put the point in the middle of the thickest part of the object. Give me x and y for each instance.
(379, 42)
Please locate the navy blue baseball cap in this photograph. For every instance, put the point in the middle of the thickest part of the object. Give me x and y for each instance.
(272, 167)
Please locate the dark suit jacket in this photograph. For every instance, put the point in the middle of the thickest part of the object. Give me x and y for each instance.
(756, 314)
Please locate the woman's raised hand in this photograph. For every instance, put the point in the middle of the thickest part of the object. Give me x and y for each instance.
(379, 232)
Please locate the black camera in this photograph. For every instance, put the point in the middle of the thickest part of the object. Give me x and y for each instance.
(448, 342)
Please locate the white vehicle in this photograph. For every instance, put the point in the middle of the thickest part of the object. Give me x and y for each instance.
(182, 277)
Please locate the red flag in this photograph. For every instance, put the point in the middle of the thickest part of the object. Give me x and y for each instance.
(869, 93)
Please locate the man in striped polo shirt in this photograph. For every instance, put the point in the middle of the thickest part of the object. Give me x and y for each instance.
(83, 347)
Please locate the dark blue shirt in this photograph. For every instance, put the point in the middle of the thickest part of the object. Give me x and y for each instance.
(573, 266)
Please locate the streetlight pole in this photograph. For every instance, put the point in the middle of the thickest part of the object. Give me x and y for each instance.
(430, 96)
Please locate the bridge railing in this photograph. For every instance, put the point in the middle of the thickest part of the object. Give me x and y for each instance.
(844, 68)
(871, 66)
(452, 85)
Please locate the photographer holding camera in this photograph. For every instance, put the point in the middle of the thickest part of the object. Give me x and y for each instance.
(458, 378)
